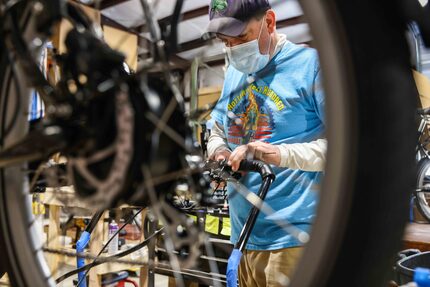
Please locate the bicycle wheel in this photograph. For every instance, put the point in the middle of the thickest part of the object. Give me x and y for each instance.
(423, 182)
(358, 251)
(367, 80)
(108, 112)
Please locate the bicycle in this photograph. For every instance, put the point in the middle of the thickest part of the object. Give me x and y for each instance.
(368, 84)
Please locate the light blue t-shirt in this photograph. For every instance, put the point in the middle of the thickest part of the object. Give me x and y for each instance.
(285, 104)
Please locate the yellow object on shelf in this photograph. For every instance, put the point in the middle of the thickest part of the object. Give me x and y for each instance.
(212, 224)
(226, 227)
(37, 204)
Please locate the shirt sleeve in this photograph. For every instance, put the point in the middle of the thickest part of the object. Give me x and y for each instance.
(217, 140)
(309, 156)
(304, 156)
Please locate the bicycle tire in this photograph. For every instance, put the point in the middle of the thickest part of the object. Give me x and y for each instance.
(349, 245)
(368, 230)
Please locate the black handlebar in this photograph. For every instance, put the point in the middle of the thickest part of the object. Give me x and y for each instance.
(257, 166)
(215, 167)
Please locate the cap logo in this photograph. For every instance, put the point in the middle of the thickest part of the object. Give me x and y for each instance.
(219, 5)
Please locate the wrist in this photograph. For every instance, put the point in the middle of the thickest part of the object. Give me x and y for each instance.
(222, 149)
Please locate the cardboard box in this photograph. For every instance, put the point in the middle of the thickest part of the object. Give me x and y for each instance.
(123, 42)
(423, 86)
(63, 28)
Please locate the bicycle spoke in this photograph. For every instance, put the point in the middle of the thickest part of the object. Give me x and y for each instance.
(162, 126)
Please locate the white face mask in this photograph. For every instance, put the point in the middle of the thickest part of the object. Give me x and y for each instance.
(246, 57)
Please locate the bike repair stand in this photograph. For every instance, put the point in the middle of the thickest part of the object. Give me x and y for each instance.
(268, 177)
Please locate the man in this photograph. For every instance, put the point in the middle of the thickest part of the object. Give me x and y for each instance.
(271, 109)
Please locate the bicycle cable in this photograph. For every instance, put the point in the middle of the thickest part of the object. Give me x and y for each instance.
(97, 262)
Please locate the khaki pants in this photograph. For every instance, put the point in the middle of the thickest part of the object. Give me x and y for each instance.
(268, 268)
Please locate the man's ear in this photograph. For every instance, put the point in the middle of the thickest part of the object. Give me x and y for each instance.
(271, 20)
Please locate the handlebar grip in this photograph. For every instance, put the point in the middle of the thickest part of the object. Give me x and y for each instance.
(257, 166)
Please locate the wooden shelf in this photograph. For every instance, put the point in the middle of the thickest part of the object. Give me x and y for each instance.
(56, 199)
(417, 236)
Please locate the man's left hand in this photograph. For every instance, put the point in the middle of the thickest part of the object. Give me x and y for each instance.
(256, 150)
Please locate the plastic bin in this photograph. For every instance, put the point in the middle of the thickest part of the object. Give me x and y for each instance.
(405, 267)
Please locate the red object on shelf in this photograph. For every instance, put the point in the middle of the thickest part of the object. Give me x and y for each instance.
(132, 232)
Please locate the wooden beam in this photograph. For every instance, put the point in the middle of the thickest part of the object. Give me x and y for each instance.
(290, 22)
(214, 63)
(184, 17)
(192, 14)
(194, 44)
(179, 62)
(114, 24)
(110, 3)
(102, 4)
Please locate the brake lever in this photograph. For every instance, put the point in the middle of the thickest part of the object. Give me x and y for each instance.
(220, 170)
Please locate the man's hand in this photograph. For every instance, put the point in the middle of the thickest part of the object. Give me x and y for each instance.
(221, 155)
(256, 150)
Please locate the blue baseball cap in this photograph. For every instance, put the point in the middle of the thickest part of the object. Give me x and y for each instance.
(230, 17)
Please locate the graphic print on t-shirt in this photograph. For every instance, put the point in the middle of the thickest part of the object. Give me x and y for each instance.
(253, 115)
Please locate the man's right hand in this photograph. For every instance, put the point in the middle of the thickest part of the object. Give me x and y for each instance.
(221, 155)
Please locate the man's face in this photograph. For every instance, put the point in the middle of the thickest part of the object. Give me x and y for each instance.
(251, 33)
